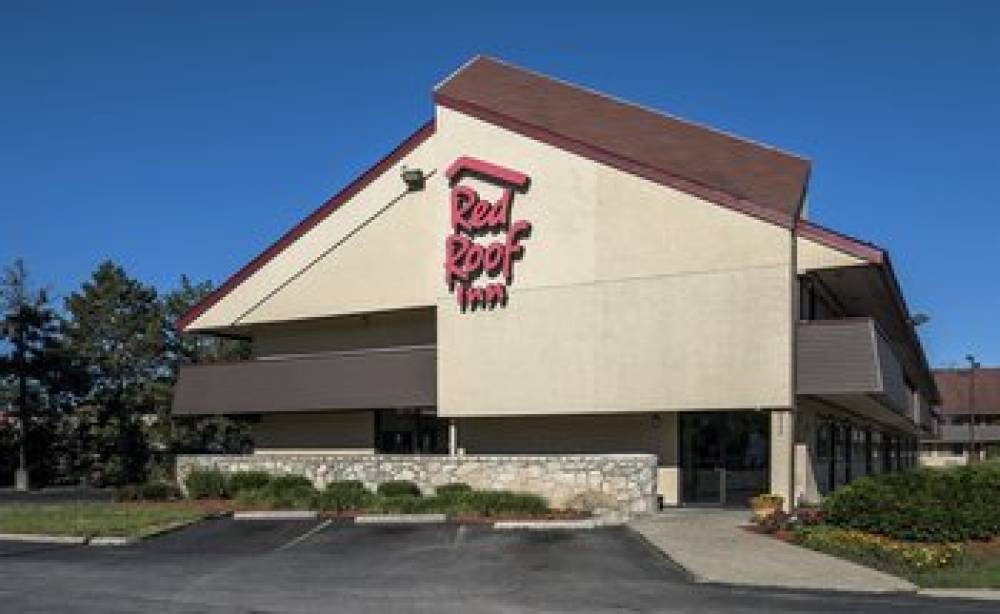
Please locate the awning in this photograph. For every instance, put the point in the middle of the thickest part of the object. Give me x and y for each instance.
(382, 378)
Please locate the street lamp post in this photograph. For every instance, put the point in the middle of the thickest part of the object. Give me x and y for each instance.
(973, 365)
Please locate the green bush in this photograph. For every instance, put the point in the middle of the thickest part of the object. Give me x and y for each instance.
(398, 488)
(499, 503)
(407, 504)
(282, 492)
(454, 489)
(246, 480)
(205, 484)
(148, 491)
(346, 495)
(925, 505)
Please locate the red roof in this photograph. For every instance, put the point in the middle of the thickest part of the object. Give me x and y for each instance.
(721, 168)
(956, 384)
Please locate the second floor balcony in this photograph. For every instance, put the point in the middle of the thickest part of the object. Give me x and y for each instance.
(850, 361)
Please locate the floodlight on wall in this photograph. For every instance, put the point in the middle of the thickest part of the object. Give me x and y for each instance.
(414, 178)
(919, 319)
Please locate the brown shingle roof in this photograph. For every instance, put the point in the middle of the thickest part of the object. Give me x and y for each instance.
(954, 387)
(737, 173)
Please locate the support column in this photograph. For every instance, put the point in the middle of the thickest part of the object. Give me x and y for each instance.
(783, 455)
(667, 472)
(452, 437)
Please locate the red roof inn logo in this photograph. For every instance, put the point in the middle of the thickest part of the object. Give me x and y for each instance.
(465, 259)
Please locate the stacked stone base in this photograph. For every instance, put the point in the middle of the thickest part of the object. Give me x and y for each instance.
(611, 485)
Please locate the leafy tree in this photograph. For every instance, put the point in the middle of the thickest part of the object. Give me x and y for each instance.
(35, 374)
(116, 331)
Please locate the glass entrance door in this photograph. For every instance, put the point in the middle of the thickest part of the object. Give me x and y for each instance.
(724, 456)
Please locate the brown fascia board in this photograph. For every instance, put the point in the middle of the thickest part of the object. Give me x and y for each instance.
(868, 252)
(307, 224)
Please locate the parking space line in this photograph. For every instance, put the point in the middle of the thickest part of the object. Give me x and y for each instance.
(305, 535)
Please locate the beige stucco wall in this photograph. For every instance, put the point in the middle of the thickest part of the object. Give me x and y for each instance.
(812, 255)
(630, 297)
(334, 432)
(390, 263)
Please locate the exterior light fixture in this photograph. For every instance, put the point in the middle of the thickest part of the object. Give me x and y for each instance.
(414, 178)
(919, 319)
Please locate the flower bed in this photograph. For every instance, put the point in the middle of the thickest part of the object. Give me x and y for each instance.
(880, 552)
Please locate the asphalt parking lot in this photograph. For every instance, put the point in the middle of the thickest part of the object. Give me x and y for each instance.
(311, 566)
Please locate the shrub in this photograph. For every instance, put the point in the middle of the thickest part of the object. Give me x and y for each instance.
(281, 492)
(501, 503)
(246, 480)
(398, 488)
(878, 551)
(408, 504)
(345, 495)
(205, 484)
(454, 489)
(926, 505)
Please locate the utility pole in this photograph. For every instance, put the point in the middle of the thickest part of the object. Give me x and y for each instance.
(21, 482)
(973, 365)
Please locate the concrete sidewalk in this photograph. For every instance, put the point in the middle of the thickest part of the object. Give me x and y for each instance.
(712, 547)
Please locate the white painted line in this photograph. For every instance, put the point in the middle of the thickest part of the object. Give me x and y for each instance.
(43, 539)
(276, 515)
(112, 541)
(401, 519)
(545, 525)
(306, 535)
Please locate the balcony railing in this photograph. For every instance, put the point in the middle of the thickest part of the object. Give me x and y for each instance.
(358, 379)
(851, 357)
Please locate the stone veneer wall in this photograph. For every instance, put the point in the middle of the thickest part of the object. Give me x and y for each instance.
(625, 481)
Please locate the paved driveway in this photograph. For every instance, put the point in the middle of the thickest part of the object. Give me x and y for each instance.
(307, 566)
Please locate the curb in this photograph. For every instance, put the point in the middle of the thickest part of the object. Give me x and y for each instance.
(276, 515)
(38, 538)
(100, 540)
(979, 594)
(401, 519)
(545, 525)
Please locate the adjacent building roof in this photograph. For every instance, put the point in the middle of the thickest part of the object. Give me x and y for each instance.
(721, 168)
(956, 384)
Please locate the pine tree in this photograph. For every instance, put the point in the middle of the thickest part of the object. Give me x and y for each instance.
(116, 330)
(35, 374)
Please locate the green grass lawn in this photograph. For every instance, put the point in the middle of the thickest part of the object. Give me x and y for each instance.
(979, 567)
(92, 519)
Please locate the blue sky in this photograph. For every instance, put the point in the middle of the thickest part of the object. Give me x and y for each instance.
(184, 137)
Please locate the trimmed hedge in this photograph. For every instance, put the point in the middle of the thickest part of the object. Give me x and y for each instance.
(206, 484)
(399, 488)
(454, 489)
(345, 495)
(282, 492)
(246, 480)
(925, 505)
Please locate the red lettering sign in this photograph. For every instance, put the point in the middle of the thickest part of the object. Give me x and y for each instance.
(472, 218)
